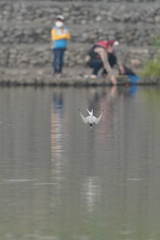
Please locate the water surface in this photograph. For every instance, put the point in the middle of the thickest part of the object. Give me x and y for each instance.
(59, 180)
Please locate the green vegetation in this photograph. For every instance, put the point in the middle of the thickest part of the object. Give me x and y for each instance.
(156, 42)
(152, 67)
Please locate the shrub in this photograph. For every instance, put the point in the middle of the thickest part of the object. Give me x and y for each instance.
(151, 68)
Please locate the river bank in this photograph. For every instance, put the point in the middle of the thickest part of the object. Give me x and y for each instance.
(25, 54)
(73, 77)
(40, 55)
(25, 30)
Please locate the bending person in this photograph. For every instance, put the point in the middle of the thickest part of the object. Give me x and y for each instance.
(102, 55)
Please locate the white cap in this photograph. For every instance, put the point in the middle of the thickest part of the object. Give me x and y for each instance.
(60, 17)
(116, 43)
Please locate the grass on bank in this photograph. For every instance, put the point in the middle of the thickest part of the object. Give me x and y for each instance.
(151, 68)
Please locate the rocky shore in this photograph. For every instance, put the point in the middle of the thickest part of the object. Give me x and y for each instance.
(28, 22)
(76, 77)
(25, 31)
(41, 55)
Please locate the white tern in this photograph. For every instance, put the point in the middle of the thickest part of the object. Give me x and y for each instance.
(91, 119)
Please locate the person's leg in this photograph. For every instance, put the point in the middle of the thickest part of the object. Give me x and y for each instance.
(61, 60)
(56, 60)
(96, 64)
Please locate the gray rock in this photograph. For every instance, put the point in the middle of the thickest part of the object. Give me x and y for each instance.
(157, 19)
(25, 27)
(98, 18)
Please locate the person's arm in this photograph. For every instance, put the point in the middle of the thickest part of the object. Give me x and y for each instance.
(120, 66)
(103, 55)
(87, 58)
(55, 36)
(68, 35)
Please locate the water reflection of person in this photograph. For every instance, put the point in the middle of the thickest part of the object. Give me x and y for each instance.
(109, 99)
(100, 97)
(58, 102)
(127, 91)
(57, 116)
(56, 124)
(91, 188)
(104, 96)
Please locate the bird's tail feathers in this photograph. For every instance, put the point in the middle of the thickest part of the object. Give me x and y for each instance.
(90, 113)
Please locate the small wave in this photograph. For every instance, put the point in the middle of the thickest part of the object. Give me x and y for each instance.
(134, 179)
(28, 235)
(18, 180)
(48, 237)
(127, 232)
(41, 184)
(31, 236)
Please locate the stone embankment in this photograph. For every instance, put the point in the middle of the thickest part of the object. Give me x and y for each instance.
(41, 55)
(25, 31)
(43, 77)
(133, 24)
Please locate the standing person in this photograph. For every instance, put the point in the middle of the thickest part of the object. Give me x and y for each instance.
(59, 36)
(102, 55)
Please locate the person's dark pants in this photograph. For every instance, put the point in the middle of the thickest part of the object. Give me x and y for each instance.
(58, 60)
(97, 64)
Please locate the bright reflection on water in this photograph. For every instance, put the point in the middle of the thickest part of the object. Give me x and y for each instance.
(59, 180)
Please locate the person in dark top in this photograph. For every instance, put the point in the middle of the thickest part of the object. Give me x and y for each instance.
(102, 55)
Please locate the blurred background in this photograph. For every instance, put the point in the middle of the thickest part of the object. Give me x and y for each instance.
(25, 32)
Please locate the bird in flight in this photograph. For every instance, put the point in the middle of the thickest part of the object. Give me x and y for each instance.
(91, 119)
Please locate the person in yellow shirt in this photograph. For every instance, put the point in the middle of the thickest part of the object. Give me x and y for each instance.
(59, 37)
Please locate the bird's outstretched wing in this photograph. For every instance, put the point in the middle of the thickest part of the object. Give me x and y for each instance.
(85, 120)
(97, 120)
(90, 113)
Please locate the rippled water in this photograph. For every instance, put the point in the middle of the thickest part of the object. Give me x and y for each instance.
(59, 180)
